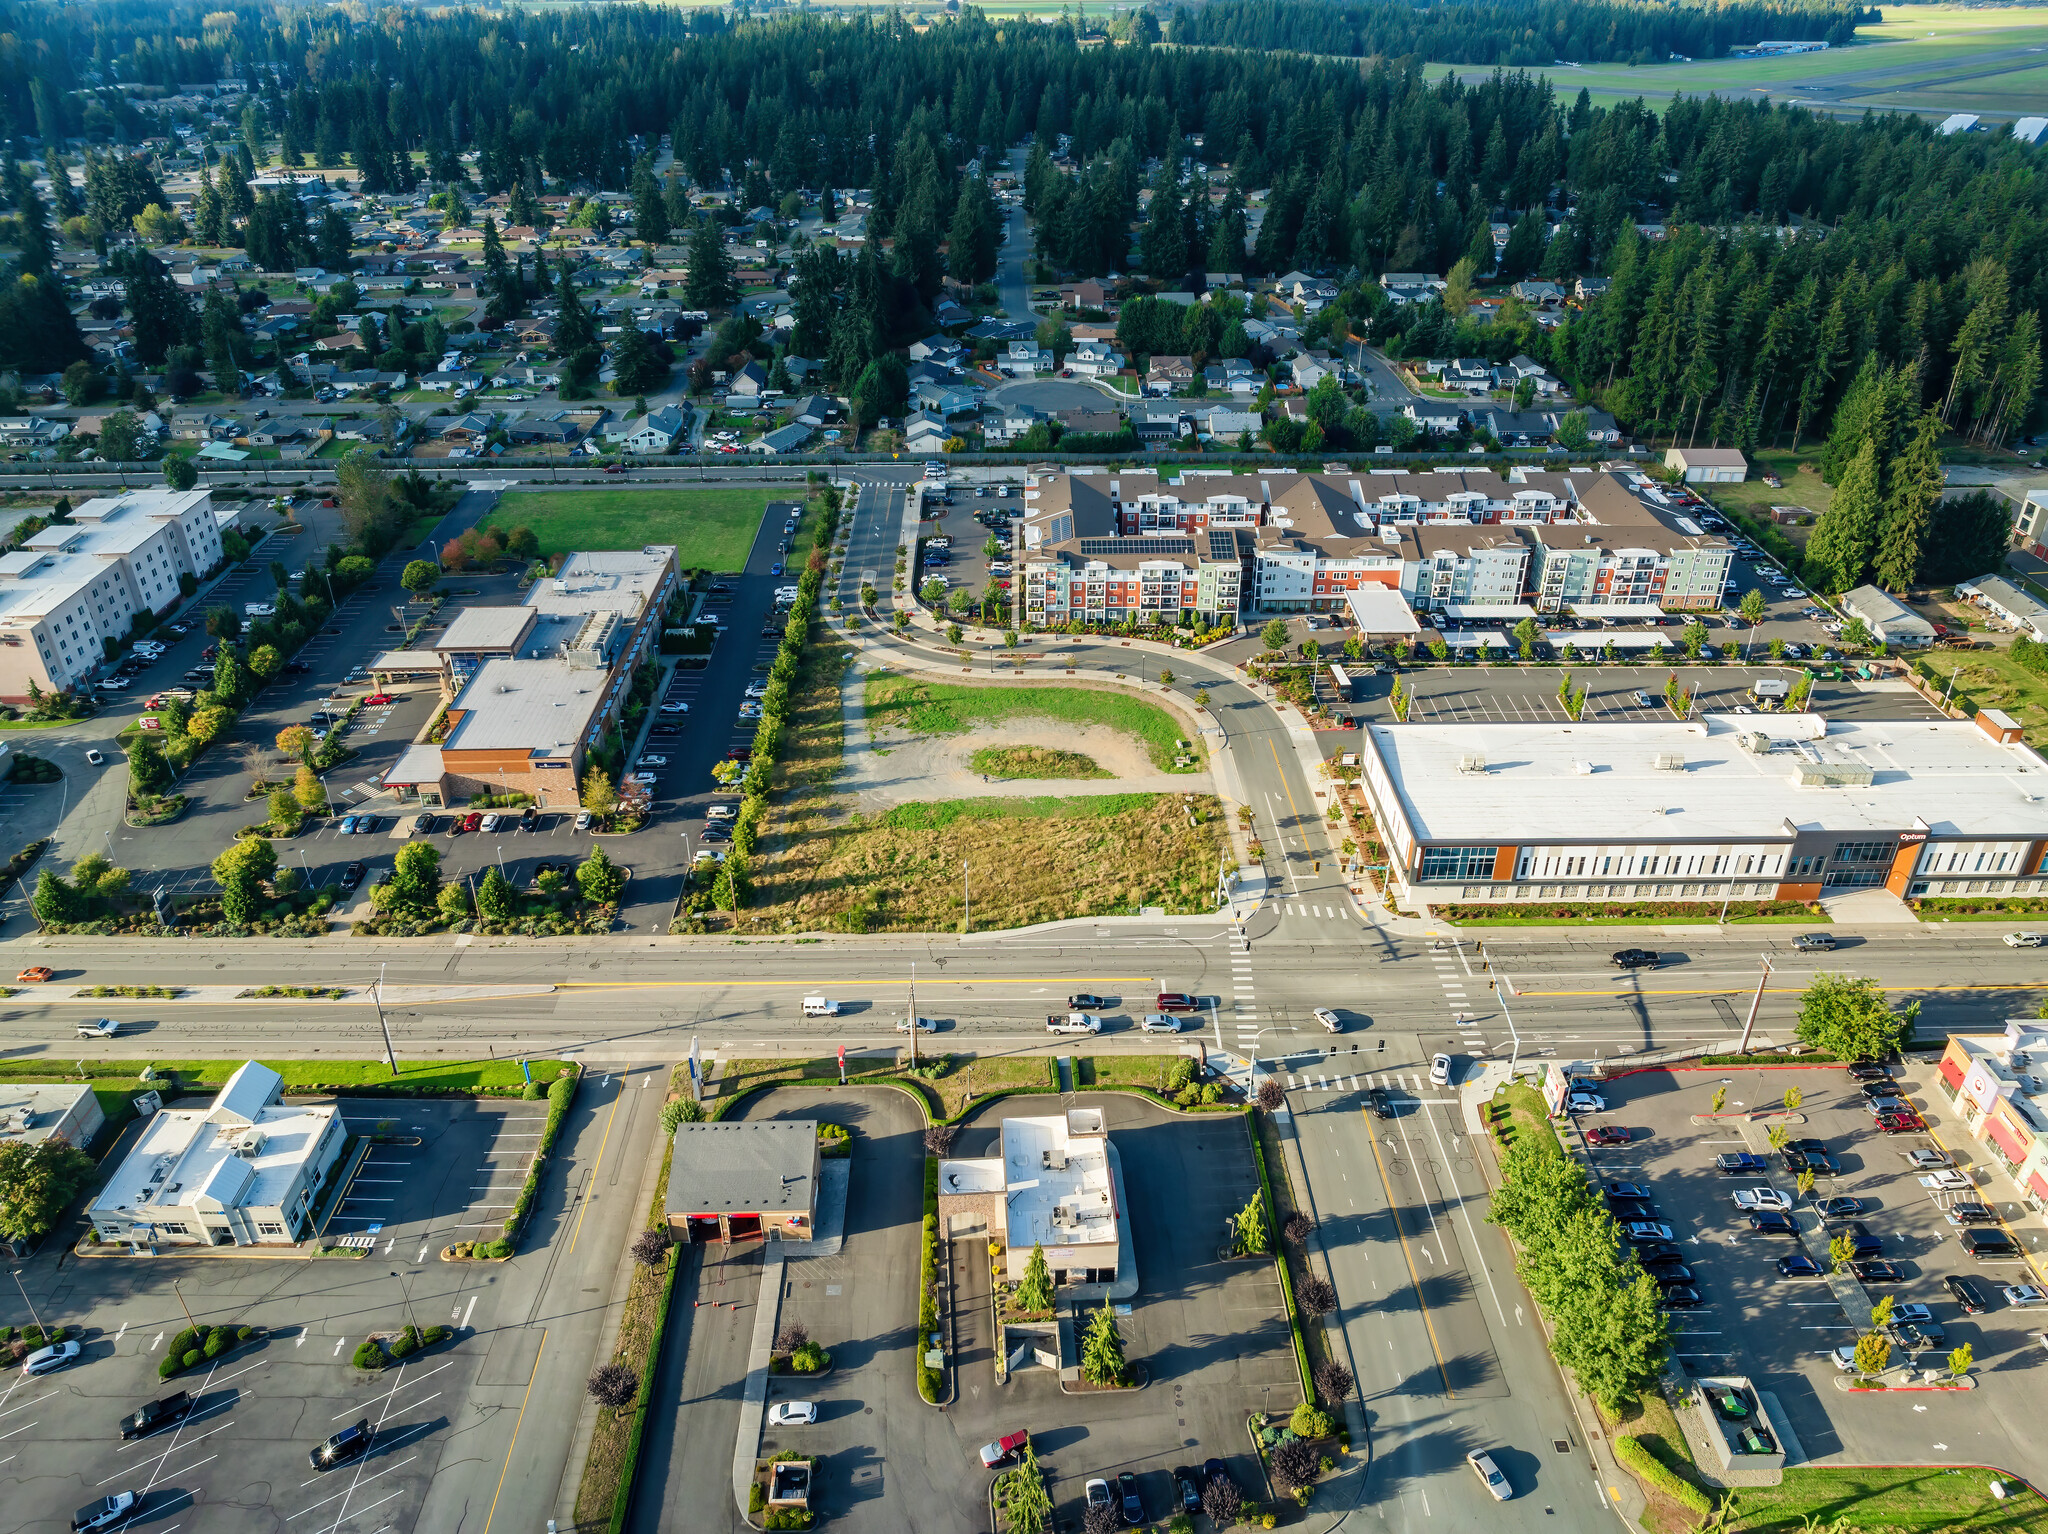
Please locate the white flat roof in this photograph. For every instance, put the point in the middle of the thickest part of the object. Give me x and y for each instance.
(542, 706)
(1468, 612)
(612, 580)
(197, 1159)
(1535, 783)
(1041, 1194)
(1381, 610)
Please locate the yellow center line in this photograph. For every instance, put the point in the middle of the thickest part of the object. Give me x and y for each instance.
(1414, 1278)
(516, 1421)
(812, 985)
(601, 1144)
(1292, 807)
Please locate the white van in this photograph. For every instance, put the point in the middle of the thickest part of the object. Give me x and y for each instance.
(820, 1006)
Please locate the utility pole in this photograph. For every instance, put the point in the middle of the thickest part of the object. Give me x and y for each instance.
(966, 903)
(1755, 1004)
(913, 1012)
(377, 995)
(174, 1289)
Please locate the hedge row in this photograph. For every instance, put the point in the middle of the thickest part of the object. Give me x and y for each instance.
(930, 1381)
(1646, 1467)
(561, 1096)
(1308, 1389)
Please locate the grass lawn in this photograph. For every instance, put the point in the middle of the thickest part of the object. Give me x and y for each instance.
(960, 1080)
(1902, 1498)
(305, 1075)
(947, 708)
(1991, 679)
(1519, 1107)
(1035, 762)
(823, 866)
(1128, 1070)
(711, 529)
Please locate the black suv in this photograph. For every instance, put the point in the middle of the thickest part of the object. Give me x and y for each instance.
(350, 1443)
(1636, 958)
(1966, 1294)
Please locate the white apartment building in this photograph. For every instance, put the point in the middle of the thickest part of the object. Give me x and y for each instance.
(78, 584)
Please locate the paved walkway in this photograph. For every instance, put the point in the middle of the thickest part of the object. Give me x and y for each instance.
(754, 1404)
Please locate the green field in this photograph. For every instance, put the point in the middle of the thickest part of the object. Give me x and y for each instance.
(1929, 59)
(300, 1075)
(711, 529)
(945, 708)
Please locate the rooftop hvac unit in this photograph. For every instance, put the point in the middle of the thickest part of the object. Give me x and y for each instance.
(1755, 743)
(1472, 761)
(1054, 1160)
(250, 1145)
(1668, 761)
(1835, 775)
(1063, 1217)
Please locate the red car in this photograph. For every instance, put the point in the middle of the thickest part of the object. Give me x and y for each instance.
(615, 468)
(1177, 1001)
(380, 700)
(740, 754)
(469, 822)
(1901, 1123)
(1608, 1134)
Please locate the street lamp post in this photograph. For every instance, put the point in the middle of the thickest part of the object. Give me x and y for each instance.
(377, 995)
(31, 1304)
(966, 902)
(1755, 1004)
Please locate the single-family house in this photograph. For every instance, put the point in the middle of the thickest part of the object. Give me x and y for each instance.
(657, 431)
(944, 399)
(1160, 423)
(1310, 369)
(1091, 423)
(949, 312)
(815, 410)
(1023, 359)
(749, 380)
(943, 350)
(1468, 375)
(1227, 421)
(547, 430)
(784, 439)
(456, 380)
(800, 369)
(1095, 359)
(1006, 423)
(1168, 375)
(1428, 281)
(1530, 290)
(1708, 465)
(1438, 416)
(1590, 287)
(468, 430)
(1085, 294)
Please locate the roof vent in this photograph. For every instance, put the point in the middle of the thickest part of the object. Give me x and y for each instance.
(1584, 769)
(1668, 761)
(1472, 761)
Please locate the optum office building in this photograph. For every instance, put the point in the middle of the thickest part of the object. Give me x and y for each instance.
(1746, 807)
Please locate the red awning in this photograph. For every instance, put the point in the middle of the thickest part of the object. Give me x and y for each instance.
(1952, 1071)
(2006, 1138)
(2037, 1184)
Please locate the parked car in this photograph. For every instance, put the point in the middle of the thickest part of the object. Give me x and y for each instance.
(675, 708)
(353, 875)
(105, 1513)
(1679, 1297)
(1753, 1199)
(1923, 1158)
(1772, 1222)
(1863, 1241)
(792, 1413)
(1877, 1272)
(1901, 1123)
(1584, 1102)
(1819, 1162)
(1740, 1164)
(1187, 1488)
(1608, 1134)
(1870, 1070)
(472, 821)
(350, 1443)
(492, 821)
(52, 1358)
(1127, 1494)
(1097, 1493)
(157, 1415)
(1966, 1293)
(422, 824)
(1647, 1230)
(1798, 1267)
(380, 700)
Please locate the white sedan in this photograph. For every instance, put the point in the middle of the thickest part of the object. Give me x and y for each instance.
(653, 761)
(642, 777)
(787, 1413)
(675, 708)
(1489, 1473)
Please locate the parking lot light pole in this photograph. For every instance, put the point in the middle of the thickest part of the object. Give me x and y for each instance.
(31, 1303)
(377, 995)
(1755, 1004)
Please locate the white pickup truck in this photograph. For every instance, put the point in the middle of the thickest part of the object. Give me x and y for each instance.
(1073, 1022)
(1750, 1200)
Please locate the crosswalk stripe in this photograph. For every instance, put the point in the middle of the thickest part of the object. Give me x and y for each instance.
(1291, 1082)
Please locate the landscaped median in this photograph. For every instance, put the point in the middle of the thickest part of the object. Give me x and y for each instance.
(561, 1096)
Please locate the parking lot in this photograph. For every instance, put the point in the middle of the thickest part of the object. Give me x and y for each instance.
(1781, 1331)
(238, 1464)
(1212, 1334)
(975, 512)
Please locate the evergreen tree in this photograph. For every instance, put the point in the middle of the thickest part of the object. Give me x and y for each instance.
(1917, 486)
(574, 328)
(975, 237)
(1845, 538)
(650, 211)
(710, 284)
(1034, 1289)
(1102, 1353)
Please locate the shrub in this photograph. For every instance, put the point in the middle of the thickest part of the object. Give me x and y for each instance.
(215, 1345)
(1333, 1381)
(757, 1498)
(1317, 1295)
(1294, 1464)
(1222, 1501)
(405, 1344)
(531, 1092)
(794, 1334)
(650, 1247)
(245, 1333)
(682, 1111)
(810, 1359)
(1645, 1466)
(369, 1356)
(612, 1385)
(1299, 1228)
(184, 1342)
(193, 1359)
(434, 1334)
(171, 1364)
(1309, 1422)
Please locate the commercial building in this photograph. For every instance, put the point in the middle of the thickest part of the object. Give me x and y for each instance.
(1889, 620)
(76, 585)
(243, 1172)
(1748, 807)
(1997, 1083)
(31, 1113)
(744, 1181)
(531, 689)
(1104, 546)
(1053, 1184)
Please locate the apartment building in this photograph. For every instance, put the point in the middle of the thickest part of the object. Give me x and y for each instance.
(1596, 540)
(76, 585)
(532, 689)
(1727, 806)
